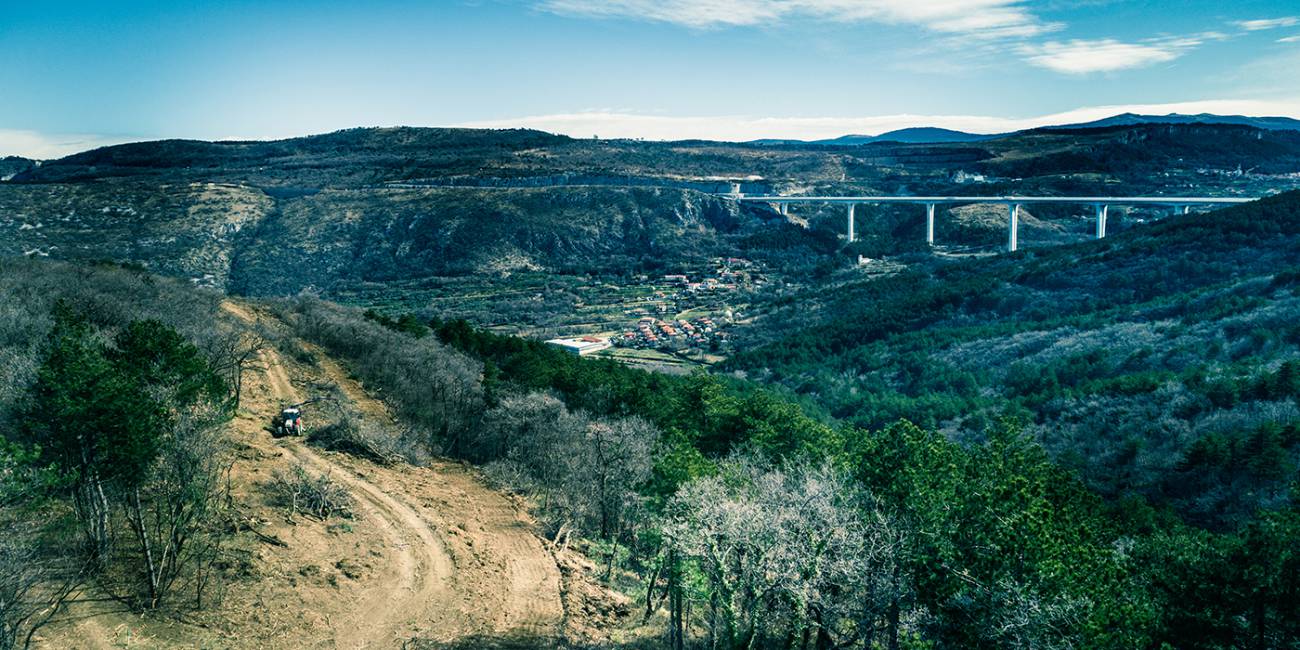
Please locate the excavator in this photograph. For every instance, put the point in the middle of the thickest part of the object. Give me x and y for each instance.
(289, 420)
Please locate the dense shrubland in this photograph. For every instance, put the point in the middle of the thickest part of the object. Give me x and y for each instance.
(114, 387)
(1146, 361)
(755, 525)
(749, 519)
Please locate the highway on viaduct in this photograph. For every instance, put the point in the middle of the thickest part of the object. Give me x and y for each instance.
(1177, 204)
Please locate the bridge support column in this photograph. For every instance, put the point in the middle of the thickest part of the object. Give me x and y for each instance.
(1014, 217)
(1101, 221)
(1187, 209)
(785, 209)
(852, 237)
(929, 224)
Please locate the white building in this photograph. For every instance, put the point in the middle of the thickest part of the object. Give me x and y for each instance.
(581, 346)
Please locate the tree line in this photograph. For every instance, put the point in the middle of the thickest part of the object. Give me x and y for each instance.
(753, 524)
(747, 520)
(111, 453)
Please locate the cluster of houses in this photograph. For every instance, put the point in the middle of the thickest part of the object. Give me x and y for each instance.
(729, 274)
(679, 334)
(724, 282)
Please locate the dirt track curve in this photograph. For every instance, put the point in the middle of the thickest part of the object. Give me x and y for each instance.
(462, 560)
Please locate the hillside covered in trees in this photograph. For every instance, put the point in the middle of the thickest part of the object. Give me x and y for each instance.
(1090, 445)
(364, 210)
(726, 510)
(1162, 361)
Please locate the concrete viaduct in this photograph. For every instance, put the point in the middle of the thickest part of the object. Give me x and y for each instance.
(1178, 204)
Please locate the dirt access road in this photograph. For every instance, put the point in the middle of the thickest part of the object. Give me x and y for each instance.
(464, 560)
(433, 553)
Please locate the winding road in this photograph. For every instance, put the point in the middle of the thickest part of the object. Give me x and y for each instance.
(462, 558)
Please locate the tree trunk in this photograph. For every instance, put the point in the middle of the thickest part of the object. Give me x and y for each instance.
(136, 517)
(676, 629)
(893, 624)
(609, 566)
(93, 506)
(1260, 614)
(650, 591)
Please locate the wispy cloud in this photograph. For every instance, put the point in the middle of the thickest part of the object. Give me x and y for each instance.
(749, 127)
(998, 18)
(1268, 23)
(1080, 56)
(1289, 39)
(45, 146)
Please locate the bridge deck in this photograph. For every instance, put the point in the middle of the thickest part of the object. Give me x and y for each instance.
(1180, 204)
(1100, 200)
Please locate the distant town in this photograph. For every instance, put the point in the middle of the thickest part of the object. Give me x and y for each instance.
(685, 315)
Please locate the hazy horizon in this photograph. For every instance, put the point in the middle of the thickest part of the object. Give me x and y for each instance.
(666, 70)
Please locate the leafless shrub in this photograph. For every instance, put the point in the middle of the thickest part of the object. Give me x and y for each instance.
(509, 476)
(38, 567)
(785, 550)
(1012, 614)
(34, 584)
(317, 496)
(234, 350)
(435, 389)
(175, 517)
(362, 438)
(1247, 416)
(584, 473)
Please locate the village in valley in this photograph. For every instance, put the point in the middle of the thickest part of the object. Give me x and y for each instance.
(678, 319)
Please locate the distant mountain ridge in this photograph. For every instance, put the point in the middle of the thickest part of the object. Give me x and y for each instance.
(911, 135)
(919, 134)
(1134, 119)
(936, 135)
(11, 166)
(377, 208)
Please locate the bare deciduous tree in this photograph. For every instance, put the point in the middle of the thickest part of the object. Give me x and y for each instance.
(231, 353)
(172, 515)
(785, 555)
(435, 389)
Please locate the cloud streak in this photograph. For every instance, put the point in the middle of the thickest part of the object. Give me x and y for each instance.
(997, 18)
(1268, 23)
(1079, 56)
(44, 146)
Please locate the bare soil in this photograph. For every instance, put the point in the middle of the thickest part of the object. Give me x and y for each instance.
(432, 553)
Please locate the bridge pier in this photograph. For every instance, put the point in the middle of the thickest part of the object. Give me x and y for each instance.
(1014, 210)
(1101, 204)
(929, 224)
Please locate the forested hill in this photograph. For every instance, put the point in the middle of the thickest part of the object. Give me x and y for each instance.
(374, 210)
(1113, 157)
(1163, 360)
(11, 166)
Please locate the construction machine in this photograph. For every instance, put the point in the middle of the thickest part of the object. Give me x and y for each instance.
(289, 421)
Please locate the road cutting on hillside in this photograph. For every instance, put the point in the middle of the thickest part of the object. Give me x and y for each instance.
(462, 559)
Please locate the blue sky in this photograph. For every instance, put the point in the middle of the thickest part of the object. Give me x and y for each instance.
(75, 74)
